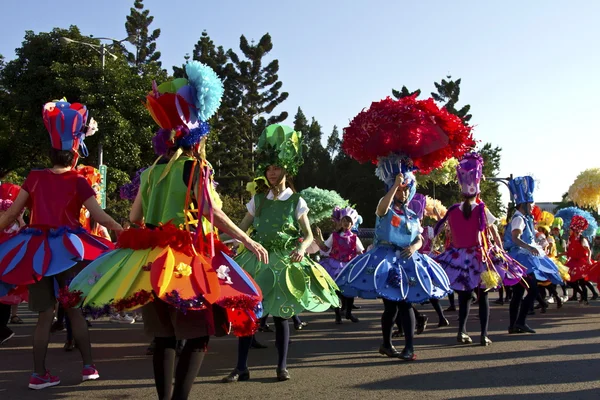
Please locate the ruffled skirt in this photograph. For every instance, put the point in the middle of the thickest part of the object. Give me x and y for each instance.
(11, 294)
(163, 264)
(542, 267)
(510, 271)
(382, 272)
(333, 266)
(39, 251)
(290, 288)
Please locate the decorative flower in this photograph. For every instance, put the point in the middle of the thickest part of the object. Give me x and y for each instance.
(92, 128)
(182, 269)
(585, 190)
(223, 274)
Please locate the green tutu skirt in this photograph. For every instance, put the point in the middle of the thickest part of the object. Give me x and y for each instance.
(290, 288)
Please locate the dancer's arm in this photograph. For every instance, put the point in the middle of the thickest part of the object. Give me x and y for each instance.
(319, 240)
(100, 216)
(136, 215)
(516, 238)
(14, 210)
(414, 246)
(386, 201)
(298, 254)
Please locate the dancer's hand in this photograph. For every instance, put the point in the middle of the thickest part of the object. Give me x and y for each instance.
(408, 252)
(535, 251)
(319, 233)
(297, 255)
(258, 250)
(399, 182)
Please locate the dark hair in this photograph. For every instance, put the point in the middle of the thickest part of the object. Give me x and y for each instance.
(467, 209)
(61, 158)
(343, 218)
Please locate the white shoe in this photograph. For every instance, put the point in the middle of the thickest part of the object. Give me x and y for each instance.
(126, 319)
(550, 300)
(565, 299)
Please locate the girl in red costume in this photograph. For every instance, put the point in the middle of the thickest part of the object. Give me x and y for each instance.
(579, 254)
(44, 254)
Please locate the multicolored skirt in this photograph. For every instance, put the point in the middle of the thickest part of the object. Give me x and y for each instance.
(290, 288)
(11, 294)
(541, 267)
(38, 251)
(383, 272)
(510, 271)
(163, 264)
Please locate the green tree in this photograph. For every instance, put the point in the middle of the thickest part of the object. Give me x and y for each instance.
(405, 93)
(46, 69)
(334, 143)
(448, 92)
(317, 164)
(138, 28)
(490, 190)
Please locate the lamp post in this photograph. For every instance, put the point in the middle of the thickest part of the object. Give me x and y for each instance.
(505, 181)
(103, 51)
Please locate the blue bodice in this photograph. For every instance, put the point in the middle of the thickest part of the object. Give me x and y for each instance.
(528, 235)
(397, 228)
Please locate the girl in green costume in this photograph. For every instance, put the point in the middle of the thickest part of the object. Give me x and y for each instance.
(290, 282)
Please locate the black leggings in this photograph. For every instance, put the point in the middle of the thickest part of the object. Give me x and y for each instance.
(4, 315)
(187, 369)
(407, 317)
(519, 305)
(282, 340)
(464, 307)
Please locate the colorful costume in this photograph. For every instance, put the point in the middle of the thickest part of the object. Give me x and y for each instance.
(10, 294)
(172, 262)
(400, 136)
(471, 261)
(288, 288)
(344, 246)
(55, 240)
(578, 254)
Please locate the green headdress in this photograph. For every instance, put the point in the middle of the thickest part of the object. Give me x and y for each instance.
(279, 145)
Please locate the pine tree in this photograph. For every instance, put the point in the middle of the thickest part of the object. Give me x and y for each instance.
(405, 93)
(334, 143)
(137, 27)
(448, 92)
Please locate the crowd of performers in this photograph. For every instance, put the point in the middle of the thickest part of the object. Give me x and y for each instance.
(189, 285)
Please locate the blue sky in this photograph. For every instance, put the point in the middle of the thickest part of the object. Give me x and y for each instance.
(528, 68)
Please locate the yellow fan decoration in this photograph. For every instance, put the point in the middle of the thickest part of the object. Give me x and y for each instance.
(434, 208)
(585, 190)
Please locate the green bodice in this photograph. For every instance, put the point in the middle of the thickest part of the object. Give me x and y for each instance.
(275, 223)
(164, 201)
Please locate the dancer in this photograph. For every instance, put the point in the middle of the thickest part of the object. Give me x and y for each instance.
(579, 256)
(342, 246)
(519, 239)
(291, 282)
(55, 236)
(466, 261)
(173, 268)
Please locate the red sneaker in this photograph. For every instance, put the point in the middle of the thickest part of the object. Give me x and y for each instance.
(89, 373)
(38, 382)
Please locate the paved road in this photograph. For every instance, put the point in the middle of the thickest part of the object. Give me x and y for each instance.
(327, 361)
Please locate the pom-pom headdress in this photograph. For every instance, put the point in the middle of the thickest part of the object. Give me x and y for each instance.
(418, 129)
(405, 135)
(521, 189)
(585, 190)
(339, 213)
(434, 208)
(469, 172)
(182, 107)
(279, 145)
(578, 224)
(418, 204)
(322, 203)
(66, 124)
(8, 194)
(567, 214)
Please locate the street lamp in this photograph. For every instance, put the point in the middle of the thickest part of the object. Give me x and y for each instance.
(103, 51)
(505, 181)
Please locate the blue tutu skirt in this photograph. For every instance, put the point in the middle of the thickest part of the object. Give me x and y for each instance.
(383, 272)
(543, 268)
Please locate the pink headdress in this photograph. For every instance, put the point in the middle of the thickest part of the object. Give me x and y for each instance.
(469, 172)
(339, 213)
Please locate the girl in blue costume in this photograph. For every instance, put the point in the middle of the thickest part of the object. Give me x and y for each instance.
(394, 269)
(519, 240)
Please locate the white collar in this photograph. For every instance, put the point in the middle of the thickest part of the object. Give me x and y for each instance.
(283, 196)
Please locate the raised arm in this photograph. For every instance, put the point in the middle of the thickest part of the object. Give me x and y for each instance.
(386, 201)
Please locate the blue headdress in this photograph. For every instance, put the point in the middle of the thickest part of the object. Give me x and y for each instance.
(521, 189)
(389, 167)
(567, 215)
